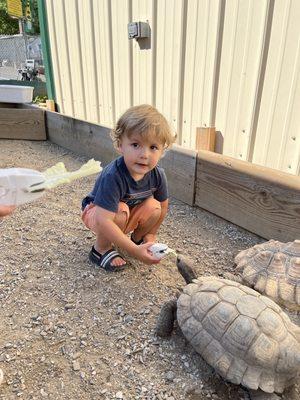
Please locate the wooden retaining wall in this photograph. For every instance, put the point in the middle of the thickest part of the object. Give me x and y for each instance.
(259, 199)
(21, 123)
(262, 200)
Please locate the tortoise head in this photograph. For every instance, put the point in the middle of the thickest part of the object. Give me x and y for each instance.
(185, 268)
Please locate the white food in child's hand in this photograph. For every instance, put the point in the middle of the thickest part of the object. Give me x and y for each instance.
(159, 250)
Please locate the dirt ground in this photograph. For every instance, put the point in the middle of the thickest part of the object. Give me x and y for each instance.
(71, 331)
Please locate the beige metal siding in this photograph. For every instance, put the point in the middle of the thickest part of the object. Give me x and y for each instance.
(87, 36)
(75, 60)
(103, 84)
(143, 59)
(242, 52)
(277, 143)
(201, 47)
(232, 65)
(169, 59)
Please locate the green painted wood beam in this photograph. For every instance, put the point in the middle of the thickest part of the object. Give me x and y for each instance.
(46, 49)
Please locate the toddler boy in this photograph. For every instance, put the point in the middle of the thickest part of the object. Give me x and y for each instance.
(130, 194)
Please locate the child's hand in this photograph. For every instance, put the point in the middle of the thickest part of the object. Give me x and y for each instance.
(143, 254)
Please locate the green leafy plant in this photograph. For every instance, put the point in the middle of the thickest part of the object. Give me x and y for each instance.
(40, 99)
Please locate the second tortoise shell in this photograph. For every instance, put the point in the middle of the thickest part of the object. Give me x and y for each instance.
(273, 269)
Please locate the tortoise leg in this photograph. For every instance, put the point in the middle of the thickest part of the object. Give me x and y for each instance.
(260, 395)
(185, 269)
(166, 318)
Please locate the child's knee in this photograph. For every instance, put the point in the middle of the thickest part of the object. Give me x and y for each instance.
(152, 206)
(123, 209)
(121, 218)
(151, 209)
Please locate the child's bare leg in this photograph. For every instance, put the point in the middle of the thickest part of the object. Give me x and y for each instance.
(102, 244)
(145, 227)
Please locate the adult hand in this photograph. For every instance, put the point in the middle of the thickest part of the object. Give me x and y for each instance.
(143, 254)
(6, 210)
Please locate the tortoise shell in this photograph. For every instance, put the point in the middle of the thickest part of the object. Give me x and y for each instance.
(245, 336)
(273, 269)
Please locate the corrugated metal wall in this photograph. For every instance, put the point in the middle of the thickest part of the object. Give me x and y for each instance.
(232, 65)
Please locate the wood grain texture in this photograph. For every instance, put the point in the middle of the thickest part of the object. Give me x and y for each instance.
(82, 137)
(180, 167)
(205, 139)
(259, 199)
(26, 124)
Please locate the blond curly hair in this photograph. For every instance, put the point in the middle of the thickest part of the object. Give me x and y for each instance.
(144, 120)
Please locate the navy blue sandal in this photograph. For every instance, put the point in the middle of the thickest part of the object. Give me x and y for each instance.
(104, 260)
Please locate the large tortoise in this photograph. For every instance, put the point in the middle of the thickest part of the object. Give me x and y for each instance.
(273, 269)
(242, 334)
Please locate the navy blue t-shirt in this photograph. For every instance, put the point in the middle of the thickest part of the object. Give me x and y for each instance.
(115, 184)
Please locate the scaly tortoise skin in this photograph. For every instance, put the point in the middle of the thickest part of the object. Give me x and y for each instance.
(245, 336)
(273, 269)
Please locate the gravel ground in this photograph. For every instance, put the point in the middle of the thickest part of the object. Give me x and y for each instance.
(71, 331)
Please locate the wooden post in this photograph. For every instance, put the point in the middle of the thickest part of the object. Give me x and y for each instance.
(50, 105)
(205, 139)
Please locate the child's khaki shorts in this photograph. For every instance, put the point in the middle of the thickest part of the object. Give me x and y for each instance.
(135, 216)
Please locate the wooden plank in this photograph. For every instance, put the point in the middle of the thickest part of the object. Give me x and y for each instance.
(205, 139)
(28, 124)
(50, 105)
(82, 137)
(180, 167)
(260, 199)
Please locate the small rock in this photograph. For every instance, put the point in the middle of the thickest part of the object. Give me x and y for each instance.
(128, 319)
(76, 355)
(120, 310)
(76, 365)
(119, 395)
(43, 393)
(170, 376)
(82, 375)
(68, 306)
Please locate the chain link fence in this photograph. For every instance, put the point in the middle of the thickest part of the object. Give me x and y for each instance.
(14, 51)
